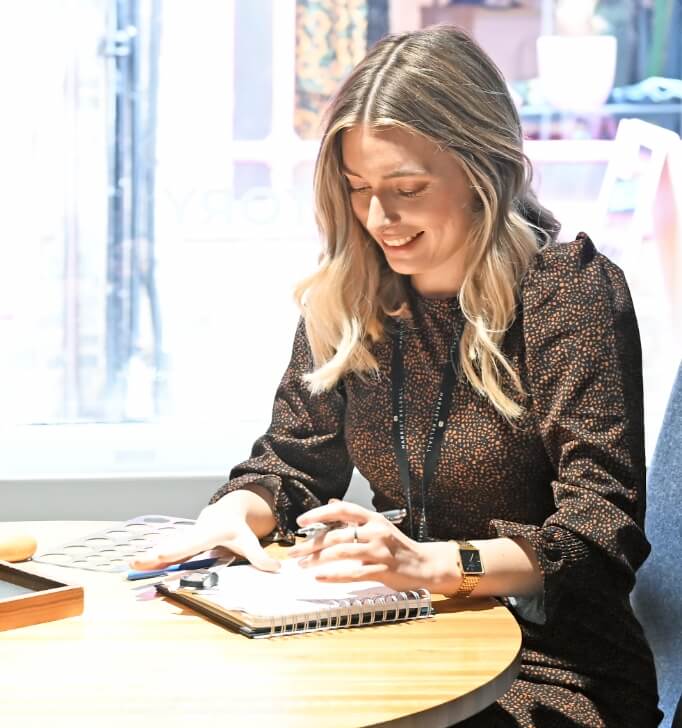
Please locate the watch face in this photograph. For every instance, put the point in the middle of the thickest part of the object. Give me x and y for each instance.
(471, 561)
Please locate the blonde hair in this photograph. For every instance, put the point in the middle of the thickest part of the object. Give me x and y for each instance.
(438, 83)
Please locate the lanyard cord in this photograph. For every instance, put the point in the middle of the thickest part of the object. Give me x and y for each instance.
(438, 423)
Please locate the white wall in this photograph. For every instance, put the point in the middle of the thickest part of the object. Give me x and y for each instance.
(121, 497)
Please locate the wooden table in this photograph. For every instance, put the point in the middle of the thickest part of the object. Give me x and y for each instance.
(134, 659)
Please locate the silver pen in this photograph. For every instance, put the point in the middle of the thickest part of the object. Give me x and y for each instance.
(396, 516)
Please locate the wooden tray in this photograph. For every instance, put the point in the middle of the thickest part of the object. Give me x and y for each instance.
(29, 599)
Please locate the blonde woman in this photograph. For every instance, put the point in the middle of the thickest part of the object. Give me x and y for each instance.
(480, 375)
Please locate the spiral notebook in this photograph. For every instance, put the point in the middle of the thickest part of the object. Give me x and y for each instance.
(262, 604)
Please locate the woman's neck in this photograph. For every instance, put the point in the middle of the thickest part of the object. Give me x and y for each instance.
(431, 287)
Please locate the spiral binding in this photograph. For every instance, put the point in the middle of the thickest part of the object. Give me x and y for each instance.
(344, 613)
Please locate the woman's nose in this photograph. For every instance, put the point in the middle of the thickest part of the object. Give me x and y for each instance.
(378, 214)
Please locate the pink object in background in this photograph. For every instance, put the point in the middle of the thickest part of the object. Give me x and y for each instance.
(576, 73)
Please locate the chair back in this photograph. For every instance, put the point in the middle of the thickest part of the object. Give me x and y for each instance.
(657, 597)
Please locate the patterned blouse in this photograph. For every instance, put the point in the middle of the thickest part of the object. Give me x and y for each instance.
(568, 475)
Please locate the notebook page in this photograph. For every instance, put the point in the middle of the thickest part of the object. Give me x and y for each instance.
(292, 590)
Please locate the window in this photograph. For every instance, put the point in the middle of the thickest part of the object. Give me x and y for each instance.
(157, 213)
(158, 170)
(160, 213)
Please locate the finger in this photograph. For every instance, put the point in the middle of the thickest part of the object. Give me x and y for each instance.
(325, 539)
(248, 545)
(347, 571)
(337, 511)
(342, 551)
(171, 551)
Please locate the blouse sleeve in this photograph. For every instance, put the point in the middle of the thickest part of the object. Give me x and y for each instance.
(583, 361)
(302, 458)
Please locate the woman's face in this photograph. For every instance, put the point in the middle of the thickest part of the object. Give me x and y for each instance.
(414, 200)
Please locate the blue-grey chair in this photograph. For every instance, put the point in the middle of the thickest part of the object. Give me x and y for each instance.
(657, 597)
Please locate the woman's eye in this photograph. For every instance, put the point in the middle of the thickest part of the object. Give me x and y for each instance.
(402, 193)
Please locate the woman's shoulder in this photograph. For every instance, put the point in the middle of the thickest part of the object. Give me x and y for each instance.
(569, 270)
(556, 257)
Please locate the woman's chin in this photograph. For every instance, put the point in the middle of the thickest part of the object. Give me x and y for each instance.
(403, 268)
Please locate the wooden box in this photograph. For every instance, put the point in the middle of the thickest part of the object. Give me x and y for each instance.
(29, 599)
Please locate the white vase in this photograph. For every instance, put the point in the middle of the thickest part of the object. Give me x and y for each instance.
(576, 72)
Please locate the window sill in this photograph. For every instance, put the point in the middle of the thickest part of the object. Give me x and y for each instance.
(123, 451)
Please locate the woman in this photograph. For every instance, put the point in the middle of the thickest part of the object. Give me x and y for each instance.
(477, 373)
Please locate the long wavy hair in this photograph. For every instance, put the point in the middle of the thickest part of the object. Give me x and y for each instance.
(438, 83)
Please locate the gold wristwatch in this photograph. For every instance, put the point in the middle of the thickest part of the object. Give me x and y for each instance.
(472, 568)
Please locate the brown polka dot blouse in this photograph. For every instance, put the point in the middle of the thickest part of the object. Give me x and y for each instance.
(568, 476)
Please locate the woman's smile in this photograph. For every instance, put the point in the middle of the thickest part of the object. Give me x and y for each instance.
(401, 243)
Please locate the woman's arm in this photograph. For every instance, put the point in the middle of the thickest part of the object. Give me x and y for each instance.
(302, 459)
(298, 463)
(583, 361)
(372, 548)
(257, 504)
(510, 565)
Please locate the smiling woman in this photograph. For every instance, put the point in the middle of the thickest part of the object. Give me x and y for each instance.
(481, 376)
(456, 163)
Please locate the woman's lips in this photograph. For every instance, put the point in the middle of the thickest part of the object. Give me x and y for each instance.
(404, 243)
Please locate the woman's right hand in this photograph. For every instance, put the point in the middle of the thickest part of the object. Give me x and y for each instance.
(223, 523)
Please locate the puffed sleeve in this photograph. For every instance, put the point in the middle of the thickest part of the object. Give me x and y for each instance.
(302, 458)
(583, 360)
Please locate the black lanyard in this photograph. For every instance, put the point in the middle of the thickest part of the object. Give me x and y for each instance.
(438, 423)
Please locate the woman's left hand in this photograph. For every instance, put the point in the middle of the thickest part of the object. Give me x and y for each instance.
(372, 548)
